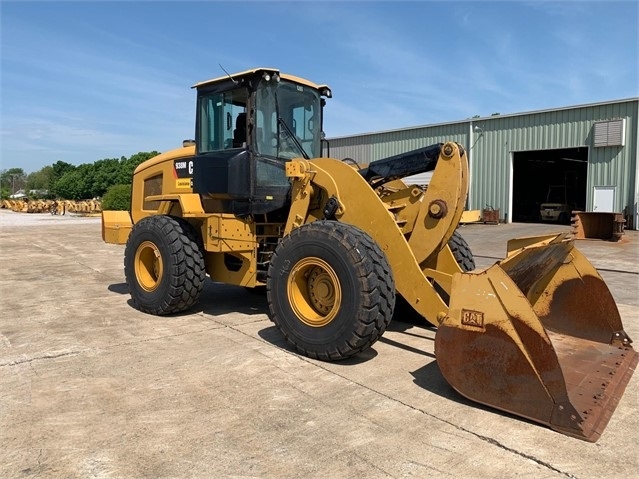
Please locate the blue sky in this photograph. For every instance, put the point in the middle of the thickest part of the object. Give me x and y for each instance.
(82, 81)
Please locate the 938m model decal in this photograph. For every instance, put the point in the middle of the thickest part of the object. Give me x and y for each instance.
(183, 173)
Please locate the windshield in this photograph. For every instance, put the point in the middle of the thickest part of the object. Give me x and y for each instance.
(558, 194)
(287, 120)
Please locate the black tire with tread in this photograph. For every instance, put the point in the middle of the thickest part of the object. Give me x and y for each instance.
(463, 256)
(365, 278)
(461, 251)
(184, 269)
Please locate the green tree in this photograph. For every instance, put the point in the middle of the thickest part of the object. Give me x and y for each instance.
(40, 180)
(13, 179)
(105, 174)
(60, 168)
(70, 182)
(117, 197)
(66, 186)
(128, 165)
(72, 185)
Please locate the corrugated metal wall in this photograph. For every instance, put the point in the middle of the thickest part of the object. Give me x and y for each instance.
(496, 138)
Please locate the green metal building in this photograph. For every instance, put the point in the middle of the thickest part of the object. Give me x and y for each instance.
(589, 152)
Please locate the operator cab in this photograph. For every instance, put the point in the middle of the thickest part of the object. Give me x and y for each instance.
(248, 125)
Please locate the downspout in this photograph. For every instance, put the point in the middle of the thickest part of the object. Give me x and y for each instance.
(470, 163)
(635, 213)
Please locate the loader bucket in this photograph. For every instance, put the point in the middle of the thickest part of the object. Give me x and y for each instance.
(538, 335)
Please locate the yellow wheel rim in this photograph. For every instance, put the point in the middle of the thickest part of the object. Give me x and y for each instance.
(314, 292)
(148, 266)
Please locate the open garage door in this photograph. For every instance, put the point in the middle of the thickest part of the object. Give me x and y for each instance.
(556, 179)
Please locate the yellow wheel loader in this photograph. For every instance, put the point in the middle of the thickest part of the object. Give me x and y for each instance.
(252, 202)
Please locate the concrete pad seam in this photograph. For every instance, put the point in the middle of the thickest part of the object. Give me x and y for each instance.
(65, 257)
(61, 354)
(486, 439)
(453, 425)
(519, 453)
(610, 270)
(52, 355)
(157, 338)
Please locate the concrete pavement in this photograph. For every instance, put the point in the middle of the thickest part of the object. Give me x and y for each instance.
(90, 387)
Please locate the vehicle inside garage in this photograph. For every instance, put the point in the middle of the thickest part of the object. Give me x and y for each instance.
(553, 178)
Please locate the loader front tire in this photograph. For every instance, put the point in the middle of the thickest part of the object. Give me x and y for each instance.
(330, 290)
(163, 265)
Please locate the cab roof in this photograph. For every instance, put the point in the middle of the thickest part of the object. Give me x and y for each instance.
(271, 71)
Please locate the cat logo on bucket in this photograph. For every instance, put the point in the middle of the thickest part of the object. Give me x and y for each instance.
(472, 318)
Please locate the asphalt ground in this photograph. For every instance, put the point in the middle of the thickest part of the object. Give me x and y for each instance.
(92, 388)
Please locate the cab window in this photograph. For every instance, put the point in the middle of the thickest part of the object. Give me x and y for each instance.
(222, 120)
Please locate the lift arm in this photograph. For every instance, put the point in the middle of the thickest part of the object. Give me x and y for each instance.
(355, 202)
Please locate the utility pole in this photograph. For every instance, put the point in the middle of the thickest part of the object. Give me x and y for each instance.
(13, 183)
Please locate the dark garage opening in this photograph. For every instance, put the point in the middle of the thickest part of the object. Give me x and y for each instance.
(561, 173)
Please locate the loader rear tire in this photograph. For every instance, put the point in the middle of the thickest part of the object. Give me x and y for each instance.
(330, 290)
(163, 265)
(461, 251)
